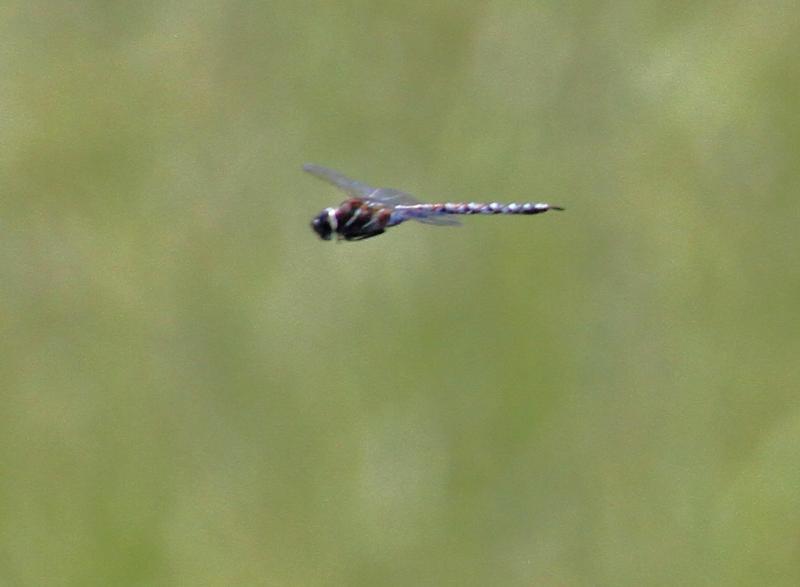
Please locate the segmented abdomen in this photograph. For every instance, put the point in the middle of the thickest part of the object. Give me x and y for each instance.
(475, 208)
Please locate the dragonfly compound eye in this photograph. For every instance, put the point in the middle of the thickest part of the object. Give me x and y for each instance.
(322, 226)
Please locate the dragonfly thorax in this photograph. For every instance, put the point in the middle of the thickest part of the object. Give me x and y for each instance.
(354, 219)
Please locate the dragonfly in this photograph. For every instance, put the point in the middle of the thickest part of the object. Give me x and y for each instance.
(369, 211)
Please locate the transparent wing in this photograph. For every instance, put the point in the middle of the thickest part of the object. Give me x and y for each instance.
(439, 220)
(424, 216)
(351, 186)
(385, 196)
(392, 197)
(357, 189)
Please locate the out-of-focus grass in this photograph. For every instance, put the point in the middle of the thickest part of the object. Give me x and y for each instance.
(196, 391)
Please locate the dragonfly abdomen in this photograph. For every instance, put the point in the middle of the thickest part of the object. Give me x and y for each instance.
(476, 208)
(357, 219)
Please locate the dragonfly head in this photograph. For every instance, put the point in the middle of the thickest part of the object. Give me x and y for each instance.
(324, 224)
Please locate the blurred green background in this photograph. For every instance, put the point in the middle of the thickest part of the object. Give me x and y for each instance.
(197, 391)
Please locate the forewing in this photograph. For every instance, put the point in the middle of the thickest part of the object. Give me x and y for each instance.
(351, 186)
(357, 189)
(392, 197)
(385, 196)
